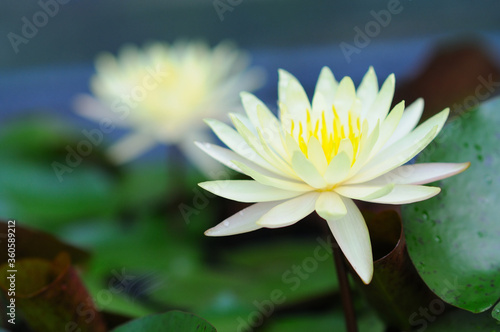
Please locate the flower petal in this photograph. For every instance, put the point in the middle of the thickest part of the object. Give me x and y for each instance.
(420, 173)
(402, 151)
(290, 211)
(247, 191)
(351, 234)
(344, 98)
(292, 96)
(306, 171)
(243, 221)
(364, 192)
(130, 147)
(324, 92)
(235, 142)
(329, 205)
(250, 103)
(367, 90)
(316, 155)
(408, 121)
(388, 126)
(338, 169)
(93, 109)
(260, 146)
(272, 181)
(406, 193)
(382, 102)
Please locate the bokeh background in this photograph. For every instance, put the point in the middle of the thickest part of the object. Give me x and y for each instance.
(128, 219)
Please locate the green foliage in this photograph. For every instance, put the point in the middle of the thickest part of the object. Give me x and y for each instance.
(171, 321)
(453, 238)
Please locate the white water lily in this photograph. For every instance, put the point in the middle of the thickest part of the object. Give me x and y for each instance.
(163, 92)
(319, 157)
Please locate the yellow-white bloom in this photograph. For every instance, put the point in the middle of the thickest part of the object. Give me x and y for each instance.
(319, 157)
(164, 91)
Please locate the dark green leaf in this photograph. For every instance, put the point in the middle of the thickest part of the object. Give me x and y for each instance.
(458, 321)
(453, 238)
(171, 321)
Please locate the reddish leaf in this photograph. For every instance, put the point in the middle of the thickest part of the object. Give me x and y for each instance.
(50, 295)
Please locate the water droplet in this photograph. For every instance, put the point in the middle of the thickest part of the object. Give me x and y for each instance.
(438, 239)
(425, 216)
(477, 147)
(480, 157)
(480, 234)
(466, 145)
(226, 223)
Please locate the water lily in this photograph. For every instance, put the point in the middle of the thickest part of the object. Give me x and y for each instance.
(320, 156)
(162, 92)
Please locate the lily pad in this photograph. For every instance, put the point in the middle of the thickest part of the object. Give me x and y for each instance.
(459, 321)
(453, 238)
(171, 321)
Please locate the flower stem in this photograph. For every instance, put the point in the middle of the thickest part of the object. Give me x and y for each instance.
(345, 291)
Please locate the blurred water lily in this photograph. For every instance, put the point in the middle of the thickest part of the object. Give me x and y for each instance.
(162, 92)
(319, 157)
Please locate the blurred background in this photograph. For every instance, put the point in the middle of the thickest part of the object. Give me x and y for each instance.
(146, 219)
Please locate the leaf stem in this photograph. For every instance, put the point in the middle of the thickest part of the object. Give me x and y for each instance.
(345, 291)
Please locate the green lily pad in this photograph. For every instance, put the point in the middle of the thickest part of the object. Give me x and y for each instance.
(496, 312)
(171, 321)
(459, 321)
(453, 238)
(38, 187)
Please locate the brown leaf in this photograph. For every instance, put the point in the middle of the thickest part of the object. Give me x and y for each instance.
(50, 295)
(31, 243)
(396, 291)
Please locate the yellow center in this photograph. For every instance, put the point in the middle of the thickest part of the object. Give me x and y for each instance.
(330, 141)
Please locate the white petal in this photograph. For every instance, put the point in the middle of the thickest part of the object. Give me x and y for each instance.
(243, 221)
(130, 147)
(271, 130)
(316, 155)
(209, 166)
(351, 234)
(290, 211)
(329, 205)
(272, 181)
(235, 142)
(388, 126)
(382, 103)
(402, 151)
(367, 90)
(306, 171)
(292, 95)
(247, 191)
(250, 103)
(325, 91)
(420, 173)
(338, 169)
(95, 110)
(260, 146)
(344, 98)
(406, 193)
(408, 121)
(364, 192)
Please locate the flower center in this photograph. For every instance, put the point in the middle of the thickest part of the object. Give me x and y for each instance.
(329, 133)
